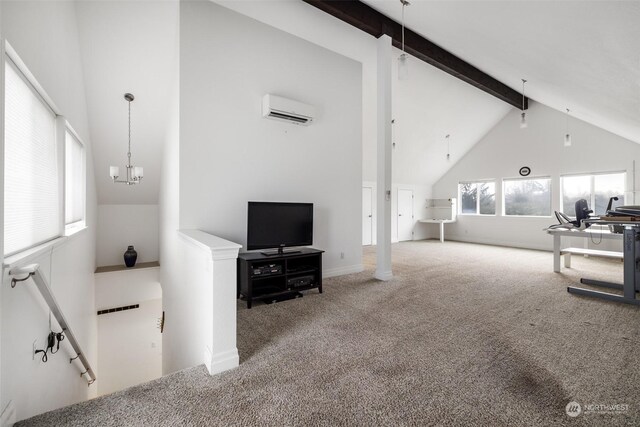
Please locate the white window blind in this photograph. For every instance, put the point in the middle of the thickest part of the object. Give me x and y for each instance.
(74, 180)
(32, 204)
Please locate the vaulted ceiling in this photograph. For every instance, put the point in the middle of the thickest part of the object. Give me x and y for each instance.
(581, 55)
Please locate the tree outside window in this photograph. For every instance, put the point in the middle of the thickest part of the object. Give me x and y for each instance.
(527, 197)
(477, 198)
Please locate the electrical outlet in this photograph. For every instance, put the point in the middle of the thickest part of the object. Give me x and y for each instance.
(33, 350)
(341, 255)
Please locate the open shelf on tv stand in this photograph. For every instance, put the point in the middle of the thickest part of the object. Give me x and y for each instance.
(275, 277)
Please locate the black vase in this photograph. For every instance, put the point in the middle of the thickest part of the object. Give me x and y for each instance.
(130, 257)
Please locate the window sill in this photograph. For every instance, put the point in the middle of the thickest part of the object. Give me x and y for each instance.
(29, 254)
(74, 228)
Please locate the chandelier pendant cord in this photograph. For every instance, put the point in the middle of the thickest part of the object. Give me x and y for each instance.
(129, 152)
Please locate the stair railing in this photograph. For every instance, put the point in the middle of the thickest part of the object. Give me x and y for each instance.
(33, 271)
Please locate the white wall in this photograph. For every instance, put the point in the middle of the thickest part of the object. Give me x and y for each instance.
(122, 225)
(318, 27)
(126, 287)
(506, 148)
(44, 34)
(129, 342)
(229, 154)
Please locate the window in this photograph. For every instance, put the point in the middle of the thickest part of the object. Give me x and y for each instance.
(477, 198)
(32, 210)
(40, 157)
(527, 197)
(596, 189)
(74, 179)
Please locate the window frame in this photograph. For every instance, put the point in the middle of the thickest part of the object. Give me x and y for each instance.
(592, 181)
(12, 59)
(81, 223)
(476, 182)
(527, 178)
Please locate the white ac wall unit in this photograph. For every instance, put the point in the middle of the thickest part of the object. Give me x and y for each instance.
(287, 110)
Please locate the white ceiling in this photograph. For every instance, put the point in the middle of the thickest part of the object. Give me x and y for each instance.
(128, 46)
(581, 55)
(429, 105)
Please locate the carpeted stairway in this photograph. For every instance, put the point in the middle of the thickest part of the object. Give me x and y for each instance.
(463, 335)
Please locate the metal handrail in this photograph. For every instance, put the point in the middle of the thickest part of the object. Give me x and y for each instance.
(33, 271)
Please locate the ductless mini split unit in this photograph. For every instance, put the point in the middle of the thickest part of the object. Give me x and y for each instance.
(287, 110)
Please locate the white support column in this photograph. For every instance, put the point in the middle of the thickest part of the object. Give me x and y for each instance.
(383, 232)
(219, 276)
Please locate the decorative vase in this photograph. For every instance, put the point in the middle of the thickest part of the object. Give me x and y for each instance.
(130, 257)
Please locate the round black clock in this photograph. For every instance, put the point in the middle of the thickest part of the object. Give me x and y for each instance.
(525, 171)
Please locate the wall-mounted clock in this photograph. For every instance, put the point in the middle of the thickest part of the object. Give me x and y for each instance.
(525, 171)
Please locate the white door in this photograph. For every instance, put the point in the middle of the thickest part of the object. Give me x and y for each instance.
(367, 215)
(405, 215)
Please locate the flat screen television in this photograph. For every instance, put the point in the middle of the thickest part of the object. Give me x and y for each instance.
(279, 225)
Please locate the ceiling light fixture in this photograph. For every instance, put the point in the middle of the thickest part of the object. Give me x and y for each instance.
(134, 173)
(523, 115)
(447, 139)
(403, 64)
(567, 135)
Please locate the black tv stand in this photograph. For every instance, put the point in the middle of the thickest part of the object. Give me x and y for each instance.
(280, 276)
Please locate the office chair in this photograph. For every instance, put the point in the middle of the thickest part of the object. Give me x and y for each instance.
(582, 213)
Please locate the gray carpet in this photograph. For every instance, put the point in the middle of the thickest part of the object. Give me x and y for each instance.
(463, 335)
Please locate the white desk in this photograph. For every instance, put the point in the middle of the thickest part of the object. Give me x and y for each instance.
(442, 222)
(441, 212)
(558, 233)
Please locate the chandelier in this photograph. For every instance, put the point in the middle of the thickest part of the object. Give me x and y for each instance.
(134, 173)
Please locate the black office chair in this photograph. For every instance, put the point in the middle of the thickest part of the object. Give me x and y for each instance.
(582, 213)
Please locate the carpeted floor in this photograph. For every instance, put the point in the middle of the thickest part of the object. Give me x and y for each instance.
(463, 335)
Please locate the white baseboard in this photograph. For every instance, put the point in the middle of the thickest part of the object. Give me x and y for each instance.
(221, 362)
(499, 242)
(8, 417)
(341, 271)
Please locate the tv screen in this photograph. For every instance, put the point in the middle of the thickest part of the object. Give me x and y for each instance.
(277, 225)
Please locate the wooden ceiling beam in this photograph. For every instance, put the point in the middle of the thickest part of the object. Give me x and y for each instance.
(369, 20)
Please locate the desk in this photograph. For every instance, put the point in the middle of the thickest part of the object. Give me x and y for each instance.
(442, 222)
(631, 282)
(558, 233)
